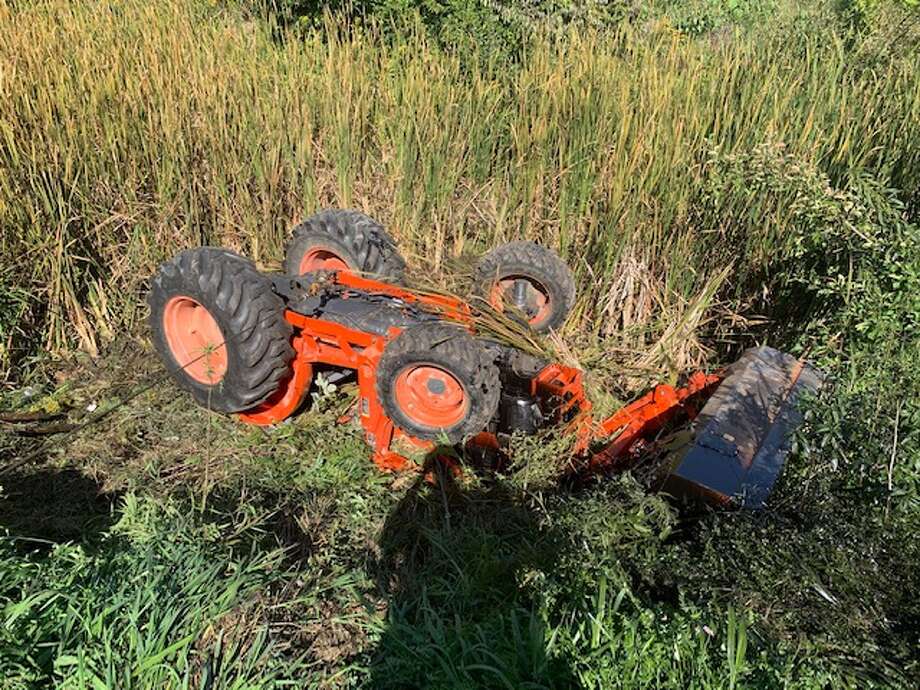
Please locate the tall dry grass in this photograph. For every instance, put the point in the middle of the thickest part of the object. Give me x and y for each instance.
(131, 129)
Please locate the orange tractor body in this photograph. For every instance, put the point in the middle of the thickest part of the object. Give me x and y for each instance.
(241, 341)
(557, 388)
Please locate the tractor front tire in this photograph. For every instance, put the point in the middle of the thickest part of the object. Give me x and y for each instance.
(219, 328)
(437, 383)
(337, 239)
(531, 279)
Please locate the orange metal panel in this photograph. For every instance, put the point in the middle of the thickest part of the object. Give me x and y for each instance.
(320, 341)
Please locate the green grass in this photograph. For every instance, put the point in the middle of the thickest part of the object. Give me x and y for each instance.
(141, 609)
(709, 191)
(131, 131)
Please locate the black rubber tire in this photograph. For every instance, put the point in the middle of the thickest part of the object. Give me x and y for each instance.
(537, 264)
(250, 316)
(453, 349)
(357, 239)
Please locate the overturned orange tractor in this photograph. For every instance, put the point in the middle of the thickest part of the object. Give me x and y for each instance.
(250, 343)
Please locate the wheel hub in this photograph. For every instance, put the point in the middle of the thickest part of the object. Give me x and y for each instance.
(195, 340)
(321, 258)
(524, 293)
(430, 396)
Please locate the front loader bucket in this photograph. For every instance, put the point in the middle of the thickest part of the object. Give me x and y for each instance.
(742, 435)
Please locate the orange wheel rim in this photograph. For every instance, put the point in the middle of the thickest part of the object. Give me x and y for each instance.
(195, 340)
(322, 259)
(523, 292)
(430, 396)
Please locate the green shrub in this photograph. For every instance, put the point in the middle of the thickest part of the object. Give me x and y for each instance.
(842, 261)
(499, 29)
(698, 17)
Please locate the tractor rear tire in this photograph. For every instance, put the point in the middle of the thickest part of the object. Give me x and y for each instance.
(533, 278)
(437, 383)
(219, 328)
(337, 239)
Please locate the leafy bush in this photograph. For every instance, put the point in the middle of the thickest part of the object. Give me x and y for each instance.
(698, 17)
(864, 13)
(840, 277)
(499, 29)
(841, 263)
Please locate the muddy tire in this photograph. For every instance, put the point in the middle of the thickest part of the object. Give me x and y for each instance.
(435, 382)
(336, 239)
(219, 328)
(531, 278)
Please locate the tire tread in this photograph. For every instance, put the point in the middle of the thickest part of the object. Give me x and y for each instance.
(450, 344)
(534, 260)
(369, 246)
(250, 314)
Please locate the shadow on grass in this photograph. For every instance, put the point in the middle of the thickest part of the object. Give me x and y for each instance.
(455, 564)
(54, 505)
